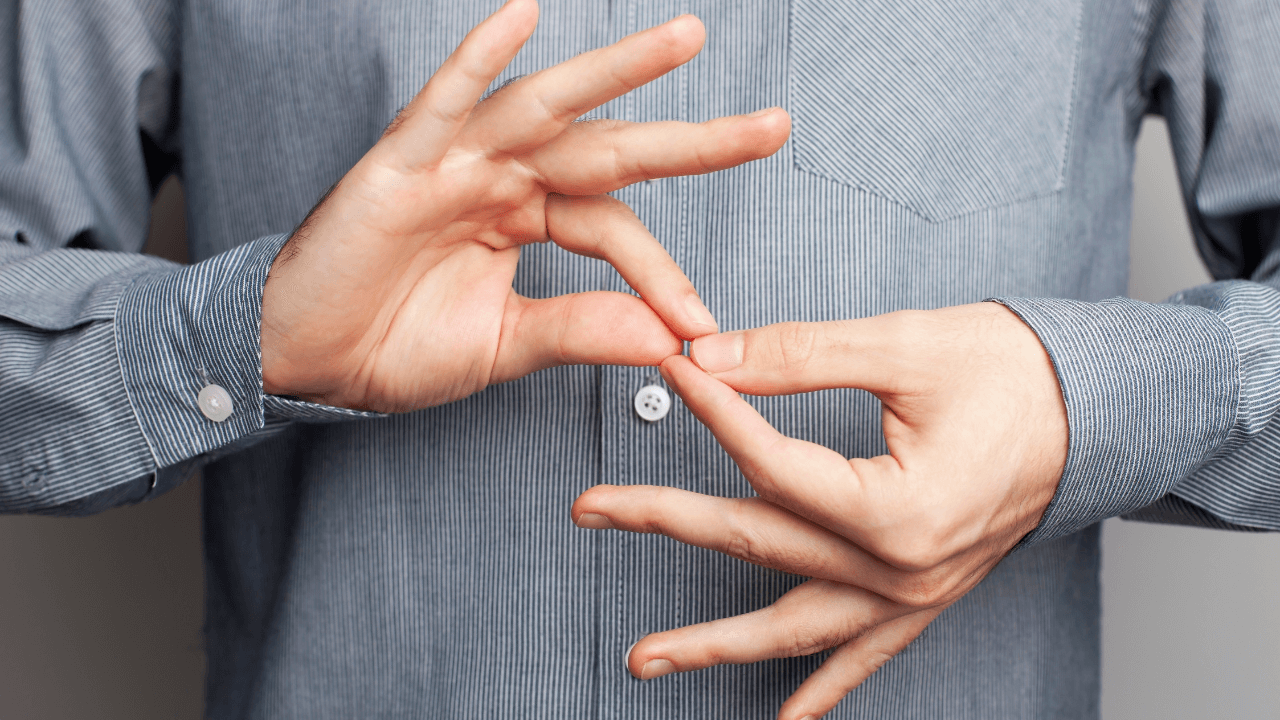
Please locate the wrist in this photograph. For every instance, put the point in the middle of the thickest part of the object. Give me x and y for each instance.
(1150, 392)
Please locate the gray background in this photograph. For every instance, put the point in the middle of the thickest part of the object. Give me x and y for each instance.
(100, 617)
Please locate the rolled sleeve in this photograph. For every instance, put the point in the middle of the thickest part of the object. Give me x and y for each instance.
(1151, 392)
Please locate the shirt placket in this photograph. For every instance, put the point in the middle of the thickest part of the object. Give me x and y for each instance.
(641, 576)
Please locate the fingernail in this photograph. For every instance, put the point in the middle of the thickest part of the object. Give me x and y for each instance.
(626, 657)
(699, 314)
(717, 353)
(656, 669)
(809, 717)
(762, 113)
(592, 521)
(662, 370)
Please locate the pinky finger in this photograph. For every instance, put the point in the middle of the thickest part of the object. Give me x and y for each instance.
(851, 664)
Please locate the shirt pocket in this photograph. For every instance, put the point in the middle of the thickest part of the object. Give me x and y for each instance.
(945, 108)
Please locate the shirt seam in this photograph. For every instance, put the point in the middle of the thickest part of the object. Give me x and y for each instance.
(124, 378)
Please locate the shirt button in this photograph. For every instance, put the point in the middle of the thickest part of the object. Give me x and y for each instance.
(34, 479)
(215, 403)
(653, 402)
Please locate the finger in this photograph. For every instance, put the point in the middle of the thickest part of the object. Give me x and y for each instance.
(535, 109)
(812, 617)
(604, 228)
(851, 664)
(427, 126)
(604, 155)
(879, 354)
(593, 328)
(812, 481)
(749, 529)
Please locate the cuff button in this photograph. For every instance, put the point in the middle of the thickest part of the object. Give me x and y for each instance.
(215, 403)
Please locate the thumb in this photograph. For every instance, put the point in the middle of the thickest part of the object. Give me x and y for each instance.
(592, 328)
(798, 357)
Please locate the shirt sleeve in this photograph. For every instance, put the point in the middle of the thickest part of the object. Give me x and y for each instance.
(1172, 406)
(104, 351)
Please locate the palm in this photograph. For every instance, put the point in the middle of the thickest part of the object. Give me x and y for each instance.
(396, 294)
(433, 336)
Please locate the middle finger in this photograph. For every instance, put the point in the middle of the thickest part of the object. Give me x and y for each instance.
(601, 156)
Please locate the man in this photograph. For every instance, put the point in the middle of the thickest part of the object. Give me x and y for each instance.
(420, 564)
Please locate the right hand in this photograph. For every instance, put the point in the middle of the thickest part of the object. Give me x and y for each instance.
(395, 294)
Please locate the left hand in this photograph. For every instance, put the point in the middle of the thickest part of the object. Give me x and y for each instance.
(977, 435)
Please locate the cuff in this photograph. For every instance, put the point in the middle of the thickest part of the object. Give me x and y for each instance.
(1238, 485)
(1150, 390)
(1173, 510)
(303, 411)
(182, 332)
(179, 333)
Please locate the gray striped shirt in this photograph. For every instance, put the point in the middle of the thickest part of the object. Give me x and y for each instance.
(424, 565)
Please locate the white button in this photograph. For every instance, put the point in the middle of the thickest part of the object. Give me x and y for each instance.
(653, 402)
(215, 403)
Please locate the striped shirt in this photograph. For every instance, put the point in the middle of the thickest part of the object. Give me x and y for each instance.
(424, 565)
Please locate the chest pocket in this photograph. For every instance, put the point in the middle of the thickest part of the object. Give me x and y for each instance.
(946, 108)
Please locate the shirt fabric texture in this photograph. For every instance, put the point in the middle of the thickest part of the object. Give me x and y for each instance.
(424, 565)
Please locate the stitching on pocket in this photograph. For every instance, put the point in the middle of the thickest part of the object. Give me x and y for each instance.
(898, 98)
(1070, 123)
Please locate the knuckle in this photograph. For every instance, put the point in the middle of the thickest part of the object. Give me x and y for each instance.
(794, 344)
(741, 546)
(710, 657)
(922, 590)
(808, 638)
(872, 660)
(744, 542)
(917, 554)
(652, 526)
(619, 162)
(921, 536)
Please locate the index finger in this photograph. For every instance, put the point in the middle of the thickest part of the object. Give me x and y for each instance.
(749, 529)
(424, 129)
(537, 108)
